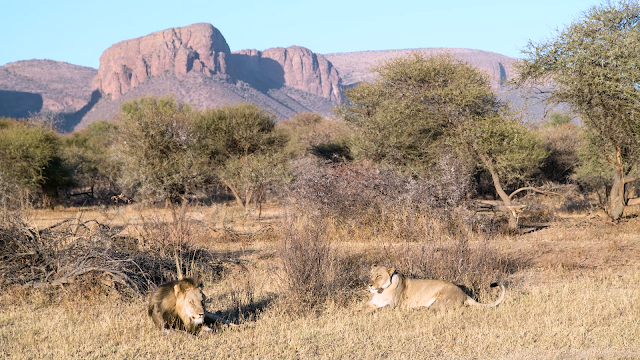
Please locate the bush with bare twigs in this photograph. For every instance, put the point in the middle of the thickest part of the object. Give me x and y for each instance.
(314, 271)
(351, 190)
(81, 253)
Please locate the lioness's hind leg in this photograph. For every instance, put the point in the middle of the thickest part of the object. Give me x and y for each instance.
(442, 302)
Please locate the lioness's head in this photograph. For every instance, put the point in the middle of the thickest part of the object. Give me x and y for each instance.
(380, 278)
(189, 301)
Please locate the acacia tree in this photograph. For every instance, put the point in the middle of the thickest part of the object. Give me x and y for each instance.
(243, 148)
(157, 149)
(421, 108)
(592, 65)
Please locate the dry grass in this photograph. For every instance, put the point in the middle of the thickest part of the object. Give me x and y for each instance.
(572, 293)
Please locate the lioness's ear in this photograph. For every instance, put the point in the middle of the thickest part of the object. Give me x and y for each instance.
(391, 270)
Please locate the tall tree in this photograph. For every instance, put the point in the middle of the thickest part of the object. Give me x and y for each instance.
(157, 148)
(421, 108)
(243, 148)
(592, 65)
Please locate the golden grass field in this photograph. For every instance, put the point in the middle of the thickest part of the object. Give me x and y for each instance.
(575, 294)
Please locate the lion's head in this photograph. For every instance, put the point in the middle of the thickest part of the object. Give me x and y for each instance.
(380, 278)
(189, 302)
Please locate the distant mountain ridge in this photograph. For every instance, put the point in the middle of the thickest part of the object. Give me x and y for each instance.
(194, 64)
(356, 66)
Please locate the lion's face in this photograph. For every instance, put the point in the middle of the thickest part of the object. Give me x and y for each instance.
(380, 278)
(190, 304)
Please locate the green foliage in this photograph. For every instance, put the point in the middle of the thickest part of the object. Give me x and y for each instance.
(29, 158)
(25, 151)
(237, 130)
(514, 151)
(87, 154)
(157, 147)
(592, 65)
(310, 133)
(243, 148)
(563, 141)
(594, 172)
(420, 108)
(558, 119)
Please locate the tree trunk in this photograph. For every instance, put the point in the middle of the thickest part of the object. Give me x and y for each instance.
(234, 191)
(506, 200)
(616, 196)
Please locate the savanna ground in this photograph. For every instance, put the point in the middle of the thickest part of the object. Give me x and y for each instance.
(572, 293)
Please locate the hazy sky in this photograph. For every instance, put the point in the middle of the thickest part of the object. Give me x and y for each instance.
(78, 32)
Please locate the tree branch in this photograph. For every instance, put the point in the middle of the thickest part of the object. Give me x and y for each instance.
(633, 202)
(536, 190)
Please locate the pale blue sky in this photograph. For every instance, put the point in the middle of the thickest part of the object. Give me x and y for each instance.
(78, 32)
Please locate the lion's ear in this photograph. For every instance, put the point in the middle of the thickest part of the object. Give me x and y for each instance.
(374, 266)
(176, 289)
(391, 270)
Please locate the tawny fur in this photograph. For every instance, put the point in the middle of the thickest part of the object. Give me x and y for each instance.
(172, 304)
(168, 308)
(394, 290)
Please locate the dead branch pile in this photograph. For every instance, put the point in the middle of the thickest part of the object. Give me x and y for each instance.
(74, 251)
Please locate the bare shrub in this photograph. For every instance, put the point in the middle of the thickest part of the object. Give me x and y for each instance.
(88, 254)
(352, 190)
(314, 271)
(63, 254)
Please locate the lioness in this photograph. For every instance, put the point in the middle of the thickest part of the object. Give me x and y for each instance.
(392, 289)
(180, 305)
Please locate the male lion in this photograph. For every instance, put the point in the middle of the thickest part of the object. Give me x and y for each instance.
(180, 305)
(392, 289)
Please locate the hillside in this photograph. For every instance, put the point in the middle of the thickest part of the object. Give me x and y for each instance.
(33, 86)
(207, 92)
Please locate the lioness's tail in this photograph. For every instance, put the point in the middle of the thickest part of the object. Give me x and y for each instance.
(470, 301)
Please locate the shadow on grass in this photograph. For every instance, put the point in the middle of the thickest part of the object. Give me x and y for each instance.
(243, 314)
(527, 229)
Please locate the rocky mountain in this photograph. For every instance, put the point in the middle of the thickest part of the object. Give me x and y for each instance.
(198, 48)
(194, 64)
(295, 67)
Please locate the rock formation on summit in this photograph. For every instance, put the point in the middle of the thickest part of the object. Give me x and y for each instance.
(199, 47)
(295, 66)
